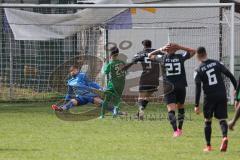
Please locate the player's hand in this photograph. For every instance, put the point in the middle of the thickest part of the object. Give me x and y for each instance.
(197, 110)
(165, 48)
(171, 47)
(152, 56)
(175, 47)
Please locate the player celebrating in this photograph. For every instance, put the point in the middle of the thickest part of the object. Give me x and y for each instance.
(209, 73)
(173, 65)
(149, 79)
(116, 82)
(232, 123)
(79, 92)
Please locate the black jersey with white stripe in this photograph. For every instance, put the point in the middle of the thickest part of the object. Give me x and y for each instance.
(174, 70)
(209, 73)
(151, 70)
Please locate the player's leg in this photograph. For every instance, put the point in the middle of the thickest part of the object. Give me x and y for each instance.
(116, 105)
(232, 123)
(172, 118)
(107, 99)
(221, 115)
(116, 98)
(170, 99)
(68, 105)
(142, 97)
(181, 116)
(144, 93)
(142, 100)
(180, 96)
(97, 101)
(208, 114)
(208, 133)
(142, 104)
(224, 129)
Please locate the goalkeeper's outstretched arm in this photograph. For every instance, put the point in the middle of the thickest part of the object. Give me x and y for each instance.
(69, 94)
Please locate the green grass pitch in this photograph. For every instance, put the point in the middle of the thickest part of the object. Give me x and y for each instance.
(32, 131)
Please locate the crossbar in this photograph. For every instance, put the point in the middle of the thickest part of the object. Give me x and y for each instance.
(79, 6)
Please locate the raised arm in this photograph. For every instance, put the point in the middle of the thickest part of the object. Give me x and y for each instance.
(173, 47)
(153, 55)
(191, 51)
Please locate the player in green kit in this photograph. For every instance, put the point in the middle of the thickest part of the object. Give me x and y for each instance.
(232, 123)
(116, 82)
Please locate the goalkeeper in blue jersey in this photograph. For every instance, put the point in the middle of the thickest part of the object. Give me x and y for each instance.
(80, 91)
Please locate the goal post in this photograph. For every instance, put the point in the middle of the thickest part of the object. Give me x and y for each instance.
(36, 52)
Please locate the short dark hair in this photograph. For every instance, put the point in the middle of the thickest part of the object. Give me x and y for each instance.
(73, 67)
(201, 51)
(147, 43)
(114, 51)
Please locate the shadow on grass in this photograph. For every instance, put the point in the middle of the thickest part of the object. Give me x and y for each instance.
(25, 108)
(93, 113)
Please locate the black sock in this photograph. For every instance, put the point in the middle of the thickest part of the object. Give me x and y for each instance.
(208, 132)
(172, 119)
(224, 127)
(181, 115)
(142, 104)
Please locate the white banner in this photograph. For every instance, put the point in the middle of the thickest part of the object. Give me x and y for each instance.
(35, 26)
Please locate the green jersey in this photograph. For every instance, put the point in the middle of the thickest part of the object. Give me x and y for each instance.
(116, 75)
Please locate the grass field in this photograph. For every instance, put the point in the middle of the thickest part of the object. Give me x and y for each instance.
(32, 131)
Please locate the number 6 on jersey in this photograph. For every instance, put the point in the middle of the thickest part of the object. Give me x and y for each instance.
(212, 79)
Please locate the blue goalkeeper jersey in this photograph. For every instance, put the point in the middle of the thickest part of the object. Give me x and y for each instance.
(79, 85)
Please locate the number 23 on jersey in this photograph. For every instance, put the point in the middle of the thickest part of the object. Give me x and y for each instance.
(173, 69)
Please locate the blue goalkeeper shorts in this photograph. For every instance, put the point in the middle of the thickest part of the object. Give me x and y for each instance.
(89, 98)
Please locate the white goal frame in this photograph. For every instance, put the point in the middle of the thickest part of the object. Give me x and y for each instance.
(195, 5)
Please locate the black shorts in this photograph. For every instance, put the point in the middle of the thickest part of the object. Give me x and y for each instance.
(215, 105)
(178, 95)
(148, 88)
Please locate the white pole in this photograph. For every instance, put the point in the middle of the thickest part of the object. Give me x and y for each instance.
(232, 49)
(169, 39)
(11, 70)
(79, 6)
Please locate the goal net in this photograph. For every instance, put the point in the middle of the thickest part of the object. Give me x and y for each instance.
(38, 44)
